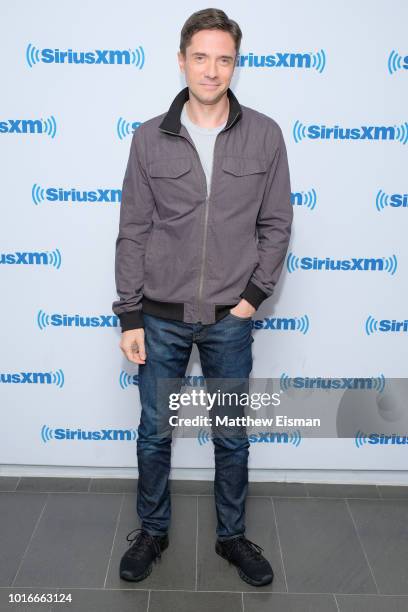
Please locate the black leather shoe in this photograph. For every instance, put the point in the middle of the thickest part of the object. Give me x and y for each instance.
(246, 556)
(137, 562)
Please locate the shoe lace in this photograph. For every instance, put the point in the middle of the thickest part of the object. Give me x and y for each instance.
(246, 548)
(141, 542)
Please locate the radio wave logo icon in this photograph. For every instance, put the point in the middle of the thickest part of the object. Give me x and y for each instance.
(401, 133)
(379, 383)
(306, 199)
(382, 200)
(360, 439)
(371, 325)
(58, 378)
(299, 131)
(391, 264)
(54, 258)
(138, 57)
(126, 380)
(285, 382)
(302, 324)
(396, 62)
(37, 194)
(43, 319)
(126, 128)
(50, 126)
(47, 433)
(32, 55)
(292, 263)
(203, 436)
(295, 438)
(123, 128)
(319, 60)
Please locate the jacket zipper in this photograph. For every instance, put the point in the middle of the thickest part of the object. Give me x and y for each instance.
(208, 193)
(200, 288)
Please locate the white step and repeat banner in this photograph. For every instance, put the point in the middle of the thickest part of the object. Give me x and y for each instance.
(78, 77)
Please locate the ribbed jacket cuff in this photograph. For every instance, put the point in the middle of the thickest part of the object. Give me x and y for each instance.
(131, 320)
(253, 295)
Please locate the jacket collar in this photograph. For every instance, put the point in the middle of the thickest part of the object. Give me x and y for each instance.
(171, 122)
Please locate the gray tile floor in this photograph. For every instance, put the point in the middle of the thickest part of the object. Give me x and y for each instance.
(333, 548)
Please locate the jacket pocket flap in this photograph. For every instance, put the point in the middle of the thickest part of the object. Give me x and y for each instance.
(172, 168)
(241, 166)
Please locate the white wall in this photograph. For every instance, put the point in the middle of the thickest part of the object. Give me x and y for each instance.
(83, 104)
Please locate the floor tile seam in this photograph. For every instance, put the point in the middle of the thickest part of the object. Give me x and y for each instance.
(113, 540)
(279, 543)
(31, 538)
(362, 546)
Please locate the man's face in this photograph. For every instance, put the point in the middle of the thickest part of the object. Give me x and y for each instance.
(209, 64)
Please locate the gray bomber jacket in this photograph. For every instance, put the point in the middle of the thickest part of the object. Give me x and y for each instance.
(189, 255)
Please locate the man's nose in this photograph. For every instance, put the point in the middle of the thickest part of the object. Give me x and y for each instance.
(211, 69)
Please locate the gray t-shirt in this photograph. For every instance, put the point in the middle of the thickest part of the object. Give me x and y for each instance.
(204, 140)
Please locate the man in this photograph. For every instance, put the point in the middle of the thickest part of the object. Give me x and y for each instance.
(204, 228)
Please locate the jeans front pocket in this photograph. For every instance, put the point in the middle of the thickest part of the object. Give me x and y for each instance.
(240, 318)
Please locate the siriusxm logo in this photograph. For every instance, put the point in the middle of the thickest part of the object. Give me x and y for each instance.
(365, 132)
(33, 378)
(127, 380)
(396, 62)
(376, 439)
(304, 198)
(270, 437)
(373, 326)
(395, 200)
(360, 264)
(309, 60)
(65, 433)
(134, 57)
(64, 320)
(376, 383)
(300, 324)
(29, 126)
(59, 194)
(32, 258)
(125, 128)
(276, 437)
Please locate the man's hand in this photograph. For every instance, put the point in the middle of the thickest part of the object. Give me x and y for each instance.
(132, 345)
(243, 309)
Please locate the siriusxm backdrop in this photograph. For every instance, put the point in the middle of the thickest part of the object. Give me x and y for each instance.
(78, 77)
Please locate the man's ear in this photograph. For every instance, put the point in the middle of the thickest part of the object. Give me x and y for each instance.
(181, 60)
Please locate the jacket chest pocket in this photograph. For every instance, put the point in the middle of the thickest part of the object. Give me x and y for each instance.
(241, 171)
(244, 178)
(244, 166)
(172, 184)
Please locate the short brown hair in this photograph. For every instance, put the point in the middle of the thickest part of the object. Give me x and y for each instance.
(209, 19)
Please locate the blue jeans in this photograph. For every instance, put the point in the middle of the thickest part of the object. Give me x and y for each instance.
(225, 350)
